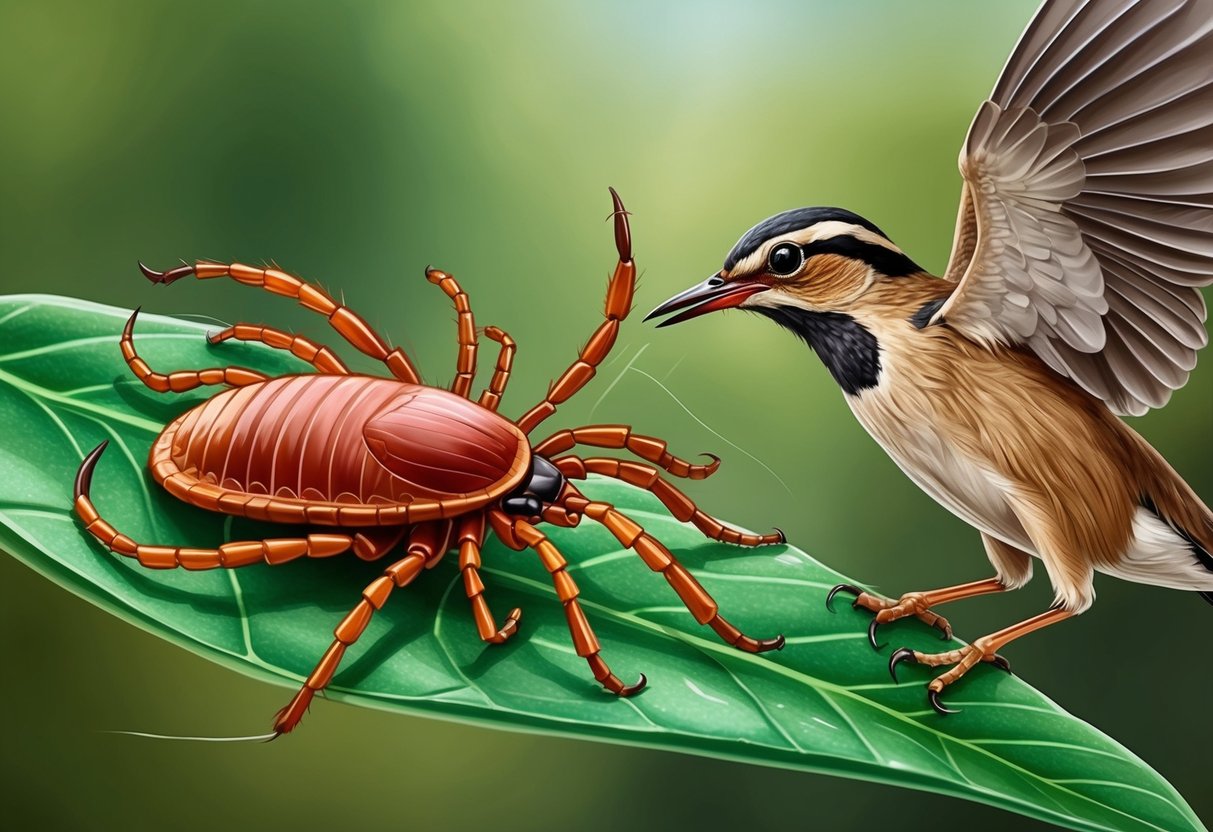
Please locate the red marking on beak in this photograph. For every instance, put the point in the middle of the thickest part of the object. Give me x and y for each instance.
(709, 296)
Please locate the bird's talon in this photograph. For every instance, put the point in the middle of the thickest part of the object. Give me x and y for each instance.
(851, 588)
(940, 708)
(1001, 662)
(901, 654)
(875, 622)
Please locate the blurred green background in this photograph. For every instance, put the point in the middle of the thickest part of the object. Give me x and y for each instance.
(356, 142)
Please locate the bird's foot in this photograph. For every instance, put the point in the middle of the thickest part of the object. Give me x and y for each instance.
(962, 661)
(916, 604)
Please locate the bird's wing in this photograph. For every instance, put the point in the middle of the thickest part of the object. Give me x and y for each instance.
(1086, 220)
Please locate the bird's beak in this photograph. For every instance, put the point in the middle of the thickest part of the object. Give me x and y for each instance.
(709, 296)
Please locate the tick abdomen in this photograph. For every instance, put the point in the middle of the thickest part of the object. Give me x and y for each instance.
(339, 439)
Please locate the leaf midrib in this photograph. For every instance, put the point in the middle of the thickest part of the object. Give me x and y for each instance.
(717, 651)
(708, 648)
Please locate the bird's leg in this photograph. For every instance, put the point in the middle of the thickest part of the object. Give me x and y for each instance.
(962, 660)
(917, 604)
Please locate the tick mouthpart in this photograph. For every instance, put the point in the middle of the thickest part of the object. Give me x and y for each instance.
(711, 295)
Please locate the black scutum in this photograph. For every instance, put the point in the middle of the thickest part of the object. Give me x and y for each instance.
(849, 351)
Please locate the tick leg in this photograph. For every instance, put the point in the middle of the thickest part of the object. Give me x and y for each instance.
(373, 542)
(621, 437)
(984, 649)
(401, 573)
(181, 380)
(658, 558)
(228, 556)
(470, 536)
(465, 364)
(348, 323)
(584, 640)
(618, 305)
(491, 397)
(679, 504)
(318, 355)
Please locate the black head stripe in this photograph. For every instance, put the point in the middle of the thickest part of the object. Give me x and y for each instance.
(884, 260)
(792, 221)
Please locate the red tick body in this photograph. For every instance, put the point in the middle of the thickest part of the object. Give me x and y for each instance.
(378, 462)
(340, 451)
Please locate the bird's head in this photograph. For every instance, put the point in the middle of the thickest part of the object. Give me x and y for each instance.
(813, 271)
(818, 260)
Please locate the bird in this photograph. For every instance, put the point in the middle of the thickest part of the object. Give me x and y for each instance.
(1071, 298)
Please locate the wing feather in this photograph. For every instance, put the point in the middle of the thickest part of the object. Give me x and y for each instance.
(1086, 222)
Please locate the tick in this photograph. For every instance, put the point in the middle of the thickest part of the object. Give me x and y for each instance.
(388, 464)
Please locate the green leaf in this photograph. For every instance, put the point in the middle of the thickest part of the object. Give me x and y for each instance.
(823, 704)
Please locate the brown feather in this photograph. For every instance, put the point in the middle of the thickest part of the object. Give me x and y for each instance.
(1077, 473)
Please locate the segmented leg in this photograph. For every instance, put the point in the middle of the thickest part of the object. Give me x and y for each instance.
(424, 547)
(658, 558)
(618, 305)
(181, 380)
(348, 323)
(558, 516)
(621, 437)
(964, 659)
(318, 355)
(522, 533)
(465, 363)
(491, 397)
(679, 504)
(470, 536)
(227, 556)
(917, 604)
(373, 542)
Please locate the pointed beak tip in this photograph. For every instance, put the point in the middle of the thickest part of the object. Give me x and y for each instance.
(705, 297)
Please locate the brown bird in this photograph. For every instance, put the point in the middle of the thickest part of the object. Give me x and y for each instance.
(1072, 295)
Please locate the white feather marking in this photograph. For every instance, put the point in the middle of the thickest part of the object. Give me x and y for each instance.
(1159, 556)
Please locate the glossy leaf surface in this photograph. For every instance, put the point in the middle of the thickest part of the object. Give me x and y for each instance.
(824, 704)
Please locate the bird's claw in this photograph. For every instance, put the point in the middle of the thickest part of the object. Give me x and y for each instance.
(945, 629)
(962, 660)
(905, 654)
(872, 625)
(901, 654)
(940, 708)
(851, 588)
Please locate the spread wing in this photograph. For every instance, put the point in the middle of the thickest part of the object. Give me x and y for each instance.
(1086, 219)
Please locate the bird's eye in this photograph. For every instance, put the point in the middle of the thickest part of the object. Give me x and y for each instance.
(785, 258)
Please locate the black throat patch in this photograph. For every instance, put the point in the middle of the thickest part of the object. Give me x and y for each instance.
(849, 351)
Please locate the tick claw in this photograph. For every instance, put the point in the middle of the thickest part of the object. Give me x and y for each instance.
(940, 708)
(851, 588)
(631, 690)
(901, 654)
(872, 635)
(165, 277)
